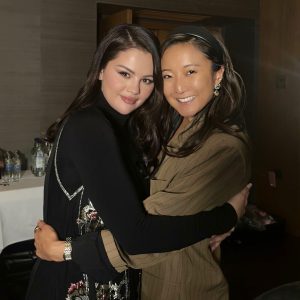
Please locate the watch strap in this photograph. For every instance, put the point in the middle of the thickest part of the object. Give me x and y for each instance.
(68, 249)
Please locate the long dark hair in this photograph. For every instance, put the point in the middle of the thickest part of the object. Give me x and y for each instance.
(145, 120)
(225, 111)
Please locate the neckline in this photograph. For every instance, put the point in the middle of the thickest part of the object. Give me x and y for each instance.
(110, 112)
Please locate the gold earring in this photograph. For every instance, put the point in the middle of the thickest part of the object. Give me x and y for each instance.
(217, 89)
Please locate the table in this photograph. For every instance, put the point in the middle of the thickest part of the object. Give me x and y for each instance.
(21, 206)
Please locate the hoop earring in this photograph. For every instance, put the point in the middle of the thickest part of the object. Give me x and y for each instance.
(217, 90)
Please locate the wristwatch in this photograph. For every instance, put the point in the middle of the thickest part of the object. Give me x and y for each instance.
(68, 249)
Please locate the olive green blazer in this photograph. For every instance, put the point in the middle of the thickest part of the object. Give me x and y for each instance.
(182, 186)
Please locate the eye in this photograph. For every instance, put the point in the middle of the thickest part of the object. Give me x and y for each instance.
(124, 74)
(166, 76)
(148, 81)
(190, 72)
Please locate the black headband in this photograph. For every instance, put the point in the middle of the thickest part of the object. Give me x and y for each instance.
(203, 34)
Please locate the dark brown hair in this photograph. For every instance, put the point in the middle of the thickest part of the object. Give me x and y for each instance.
(224, 112)
(145, 120)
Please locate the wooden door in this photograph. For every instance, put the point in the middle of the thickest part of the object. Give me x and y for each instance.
(107, 22)
(160, 22)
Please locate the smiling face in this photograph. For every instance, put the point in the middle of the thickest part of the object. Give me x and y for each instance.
(189, 79)
(127, 80)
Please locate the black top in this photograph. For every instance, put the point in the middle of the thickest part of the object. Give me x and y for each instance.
(91, 152)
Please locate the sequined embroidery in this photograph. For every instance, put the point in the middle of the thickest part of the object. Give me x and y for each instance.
(88, 219)
(110, 291)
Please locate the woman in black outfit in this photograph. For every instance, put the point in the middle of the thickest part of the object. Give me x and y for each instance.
(91, 178)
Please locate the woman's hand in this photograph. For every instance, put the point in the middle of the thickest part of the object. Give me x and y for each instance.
(240, 200)
(47, 244)
(216, 240)
(239, 203)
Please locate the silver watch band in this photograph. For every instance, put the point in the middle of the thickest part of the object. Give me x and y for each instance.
(68, 249)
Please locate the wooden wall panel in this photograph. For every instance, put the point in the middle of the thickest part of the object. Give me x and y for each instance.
(278, 108)
(228, 8)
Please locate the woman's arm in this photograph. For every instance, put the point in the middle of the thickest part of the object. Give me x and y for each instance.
(99, 163)
(49, 247)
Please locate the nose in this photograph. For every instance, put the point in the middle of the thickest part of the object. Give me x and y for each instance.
(180, 85)
(134, 87)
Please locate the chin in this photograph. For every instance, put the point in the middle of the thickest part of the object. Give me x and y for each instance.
(186, 115)
(124, 113)
(126, 110)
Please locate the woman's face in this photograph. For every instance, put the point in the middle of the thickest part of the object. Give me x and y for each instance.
(189, 79)
(127, 80)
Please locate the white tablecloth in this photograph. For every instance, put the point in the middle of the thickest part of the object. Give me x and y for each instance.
(21, 205)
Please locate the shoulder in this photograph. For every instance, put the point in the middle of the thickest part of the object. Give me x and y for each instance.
(222, 146)
(87, 126)
(222, 140)
(87, 116)
(87, 120)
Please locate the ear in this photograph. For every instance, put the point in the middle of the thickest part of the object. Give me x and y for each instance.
(219, 75)
(100, 75)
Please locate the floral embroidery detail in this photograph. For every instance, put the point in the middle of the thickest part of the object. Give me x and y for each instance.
(77, 291)
(110, 291)
(89, 220)
(113, 290)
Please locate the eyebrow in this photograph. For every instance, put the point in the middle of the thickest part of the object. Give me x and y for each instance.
(185, 66)
(132, 72)
(191, 65)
